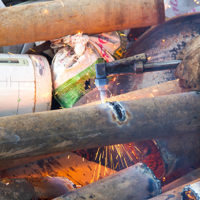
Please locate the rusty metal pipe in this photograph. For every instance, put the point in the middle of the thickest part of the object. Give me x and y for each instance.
(80, 171)
(177, 153)
(98, 125)
(174, 194)
(54, 19)
(123, 185)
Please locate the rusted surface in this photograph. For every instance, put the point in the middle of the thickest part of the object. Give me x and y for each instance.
(119, 113)
(189, 70)
(123, 185)
(93, 126)
(17, 189)
(182, 153)
(44, 19)
(166, 41)
(79, 170)
(18, 162)
(161, 43)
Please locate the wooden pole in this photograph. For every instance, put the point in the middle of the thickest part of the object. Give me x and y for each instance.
(54, 19)
(136, 183)
(99, 125)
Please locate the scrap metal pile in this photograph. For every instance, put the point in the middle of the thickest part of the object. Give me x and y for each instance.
(125, 104)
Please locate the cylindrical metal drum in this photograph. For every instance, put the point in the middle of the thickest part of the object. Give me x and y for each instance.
(25, 84)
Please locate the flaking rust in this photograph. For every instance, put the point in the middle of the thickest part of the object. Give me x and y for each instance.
(119, 113)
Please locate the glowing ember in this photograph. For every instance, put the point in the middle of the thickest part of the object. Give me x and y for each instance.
(5, 181)
(149, 58)
(11, 53)
(45, 11)
(80, 33)
(164, 179)
(188, 195)
(32, 50)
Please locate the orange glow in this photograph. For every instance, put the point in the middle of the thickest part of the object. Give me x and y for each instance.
(11, 53)
(45, 11)
(77, 169)
(79, 32)
(115, 155)
(32, 50)
(151, 95)
(83, 172)
(5, 181)
(163, 40)
(114, 79)
(164, 179)
(149, 58)
(190, 195)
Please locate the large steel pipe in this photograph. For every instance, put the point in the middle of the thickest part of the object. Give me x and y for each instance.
(99, 125)
(178, 154)
(136, 183)
(53, 19)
